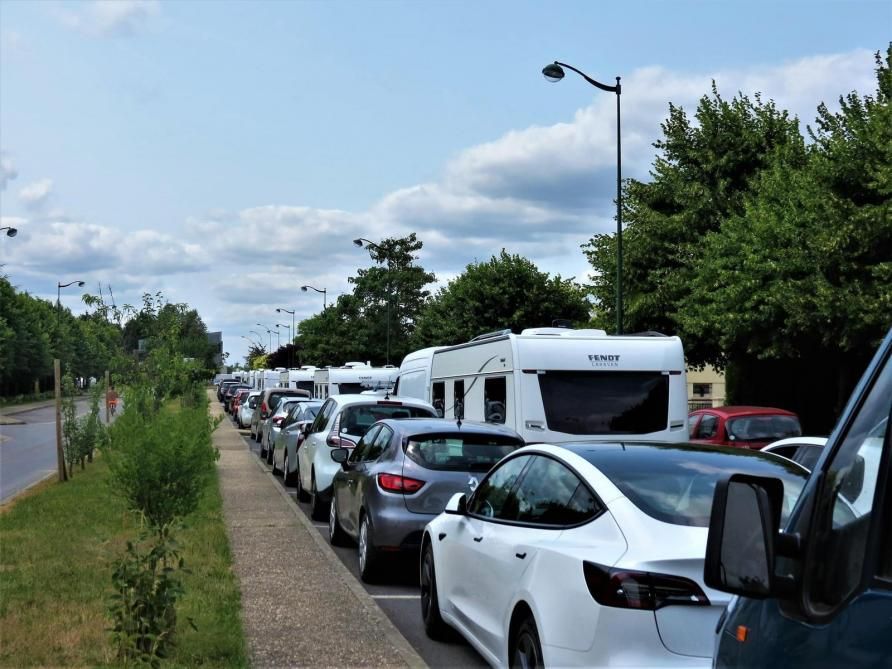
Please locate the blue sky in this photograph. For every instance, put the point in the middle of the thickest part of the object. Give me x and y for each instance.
(165, 145)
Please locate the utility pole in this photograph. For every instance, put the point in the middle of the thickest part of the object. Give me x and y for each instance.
(106, 397)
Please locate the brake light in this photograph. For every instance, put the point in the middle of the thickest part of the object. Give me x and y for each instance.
(399, 484)
(628, 589)
(333, 439)
(263, 410)
(390, 403)
(278, 420)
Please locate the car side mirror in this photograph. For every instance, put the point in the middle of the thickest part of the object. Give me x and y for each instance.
(743, 531)
(340, 455)
(457, 505)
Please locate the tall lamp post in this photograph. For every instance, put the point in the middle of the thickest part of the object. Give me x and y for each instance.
(292, 332)
(59, 287)
(269, 332)
(323, 291)
(290, 341)
(367, 243)
(554, 72)
(259, 336)
(10, 231)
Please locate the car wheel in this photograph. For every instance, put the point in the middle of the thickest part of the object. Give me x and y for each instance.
(336, 535)
(287, 475)
(269, 451)
(527, 651)
(434, 626)
(317, 506)
(302, 495)
(272, 460)
(368, 556)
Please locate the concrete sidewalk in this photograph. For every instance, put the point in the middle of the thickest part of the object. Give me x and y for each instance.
(300, 605)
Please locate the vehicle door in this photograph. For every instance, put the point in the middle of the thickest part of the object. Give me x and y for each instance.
(314, 439)
(707, 429)
(365, 474)
(841, 611)
(346, 487)
(539, 513)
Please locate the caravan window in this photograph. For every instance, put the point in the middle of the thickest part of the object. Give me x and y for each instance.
(350, 388)
(458, 399)
(438, 398)
(304, 385)
(579, 402)
(495, 399)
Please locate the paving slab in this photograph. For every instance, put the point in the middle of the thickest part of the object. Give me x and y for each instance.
(300, 606)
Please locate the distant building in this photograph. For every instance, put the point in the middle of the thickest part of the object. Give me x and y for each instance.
(706, 388)
(215, 339)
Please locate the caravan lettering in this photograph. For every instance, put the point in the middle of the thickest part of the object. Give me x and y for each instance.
(601, 360)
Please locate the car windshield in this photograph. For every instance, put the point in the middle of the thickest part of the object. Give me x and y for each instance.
(461, 452)
(605, 402)
(675, 484)
(763, 428)
(357, 419)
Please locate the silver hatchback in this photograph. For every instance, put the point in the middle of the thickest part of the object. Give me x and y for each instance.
(400, 476)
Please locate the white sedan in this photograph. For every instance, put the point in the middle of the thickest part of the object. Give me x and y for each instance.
(587, 554)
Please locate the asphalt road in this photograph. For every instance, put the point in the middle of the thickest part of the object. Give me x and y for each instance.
(28, 451)
(398, 596)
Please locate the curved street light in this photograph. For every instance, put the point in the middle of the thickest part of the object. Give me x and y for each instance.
(59, 287)
(554, 72)
(369, 244)
(10, 231)
(288, 311)
(269, 332)
(323, 291)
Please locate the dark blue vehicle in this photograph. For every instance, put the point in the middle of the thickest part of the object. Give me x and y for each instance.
(818, 591)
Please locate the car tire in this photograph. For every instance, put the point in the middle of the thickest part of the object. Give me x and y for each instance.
(270, 449)
(434, 625)
(287, 475)
(336, 535)
(317, 506)
(302, 495)
(526, 650)
(272, 460)
(368, 554)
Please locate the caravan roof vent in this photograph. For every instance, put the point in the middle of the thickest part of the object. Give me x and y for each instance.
(355, 365)
(563, 332)
(491, 335)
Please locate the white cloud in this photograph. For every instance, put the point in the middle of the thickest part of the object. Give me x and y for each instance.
(35, 194)
(7, 170)
(105, 18)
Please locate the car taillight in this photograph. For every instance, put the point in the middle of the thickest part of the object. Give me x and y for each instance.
(400, 484)
(333, 439)
(628, 589)
(263, 410)
(278, 420)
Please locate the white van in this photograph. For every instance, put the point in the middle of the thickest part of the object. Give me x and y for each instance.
(353, 378)
(558, 385)
(301, 377)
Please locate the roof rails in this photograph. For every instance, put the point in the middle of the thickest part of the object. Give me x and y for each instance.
(491, 335)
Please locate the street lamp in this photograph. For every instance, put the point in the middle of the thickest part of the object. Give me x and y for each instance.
(360, 242)
(59, 287)
(10, 231)
(323, 291)
(269, 332)
(287, 311)
(554, 72)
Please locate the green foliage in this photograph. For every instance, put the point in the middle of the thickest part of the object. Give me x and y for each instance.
(143, 606)
(160, 460)
(507, 291)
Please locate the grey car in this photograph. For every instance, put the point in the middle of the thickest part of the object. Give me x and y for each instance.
(270, 428)
(400, 476)
(266, 404)
(289, 438)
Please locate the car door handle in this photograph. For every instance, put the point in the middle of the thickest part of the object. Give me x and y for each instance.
(520, 555)
(478, 539)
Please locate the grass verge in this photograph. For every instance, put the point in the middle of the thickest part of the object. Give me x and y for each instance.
(56, 554)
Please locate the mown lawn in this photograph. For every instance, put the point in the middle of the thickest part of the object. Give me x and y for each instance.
(57, 547)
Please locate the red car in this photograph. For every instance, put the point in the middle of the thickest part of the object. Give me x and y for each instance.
(745, 427)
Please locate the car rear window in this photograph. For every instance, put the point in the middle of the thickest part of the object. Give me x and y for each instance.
(605, 402)
(763, 428)
(357, 419)
(275, 398)
(461, 452)
(676, 484)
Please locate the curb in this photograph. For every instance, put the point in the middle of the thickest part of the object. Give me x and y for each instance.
(408, 654)
(28, 487)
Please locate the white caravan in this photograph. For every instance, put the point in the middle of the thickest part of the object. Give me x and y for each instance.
(270, 378)
(298, 378)
(352, 378)
(558, 385)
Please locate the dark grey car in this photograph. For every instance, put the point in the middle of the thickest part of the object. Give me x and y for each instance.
(400, 476)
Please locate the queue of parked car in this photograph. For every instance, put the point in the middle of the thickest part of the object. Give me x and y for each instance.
(606, 551)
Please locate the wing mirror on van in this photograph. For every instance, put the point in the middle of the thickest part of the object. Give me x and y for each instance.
(457, 505)
(743, 531)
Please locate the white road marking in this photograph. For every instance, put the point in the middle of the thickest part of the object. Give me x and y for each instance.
(323, 525)
(396, 596)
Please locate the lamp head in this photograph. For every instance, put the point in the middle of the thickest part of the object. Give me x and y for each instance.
(303, 288)
(80, 284)
(358, 242)
(278, 311)
(11, 232)
(553, 72)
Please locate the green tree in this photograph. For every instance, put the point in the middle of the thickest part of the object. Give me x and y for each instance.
(507, 291)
